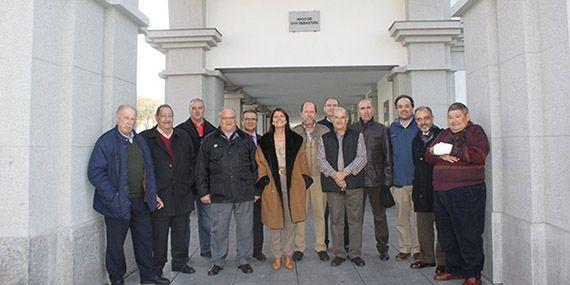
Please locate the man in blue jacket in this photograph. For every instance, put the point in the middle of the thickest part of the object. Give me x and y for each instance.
(402, 132)
(122, 172)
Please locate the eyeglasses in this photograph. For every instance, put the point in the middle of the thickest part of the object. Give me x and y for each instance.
(228, 118)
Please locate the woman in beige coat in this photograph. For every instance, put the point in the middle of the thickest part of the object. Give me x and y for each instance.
(284, 177)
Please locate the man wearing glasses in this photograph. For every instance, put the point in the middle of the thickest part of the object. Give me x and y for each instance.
(226, 172)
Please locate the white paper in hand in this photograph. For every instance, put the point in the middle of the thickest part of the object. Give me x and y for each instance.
(442, 148)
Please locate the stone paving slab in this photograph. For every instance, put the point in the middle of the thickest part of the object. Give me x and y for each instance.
(310, 270)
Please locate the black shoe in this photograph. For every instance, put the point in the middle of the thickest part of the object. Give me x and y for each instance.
(214, 270)
(337, 261)
(358, 261)
(120, 282)
(323, 255)
(155, 280)
(184, 269)
(297, 256)
(384, 256)
(207, 254)
(246, 268)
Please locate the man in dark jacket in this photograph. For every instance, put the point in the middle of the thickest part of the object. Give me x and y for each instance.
(174, 169)
(341, 155)
(422, 193)
(249, 124)
(378, 170)
(122, 172)
(226, 172)
(198, 127)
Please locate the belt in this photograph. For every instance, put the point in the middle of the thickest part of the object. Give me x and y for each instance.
(282, 171)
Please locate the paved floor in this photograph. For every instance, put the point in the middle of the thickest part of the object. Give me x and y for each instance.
(310, 270)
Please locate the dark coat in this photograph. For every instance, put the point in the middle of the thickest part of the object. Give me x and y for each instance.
(189, 127)
(298, 180)
(174, 181)
(422, 193)
(327, 123)
(226, 169)
(378, 170)
(107, 171)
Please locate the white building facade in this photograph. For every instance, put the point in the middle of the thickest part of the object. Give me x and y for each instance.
(71, 63)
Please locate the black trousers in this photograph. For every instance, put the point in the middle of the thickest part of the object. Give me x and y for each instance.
(141, 232)
(257, 227)
(179, 238)
(460, 221)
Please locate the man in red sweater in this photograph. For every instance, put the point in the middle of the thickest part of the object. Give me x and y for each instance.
(458, 155)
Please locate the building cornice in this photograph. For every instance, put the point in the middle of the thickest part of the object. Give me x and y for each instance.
(407, 32)
(163, 40)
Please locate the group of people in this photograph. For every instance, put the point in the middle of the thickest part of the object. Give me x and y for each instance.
(151, 182)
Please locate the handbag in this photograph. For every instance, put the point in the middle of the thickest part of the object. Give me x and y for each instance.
(386, 198)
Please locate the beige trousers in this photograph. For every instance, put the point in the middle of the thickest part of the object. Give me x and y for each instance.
(405, 223)
(318, 201)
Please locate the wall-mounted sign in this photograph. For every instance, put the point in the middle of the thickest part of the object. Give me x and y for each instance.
(304, 21)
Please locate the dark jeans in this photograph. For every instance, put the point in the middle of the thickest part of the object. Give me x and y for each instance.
(460, 221)
(257, 227)
(204, 225)
(141, 232)
(179, 240)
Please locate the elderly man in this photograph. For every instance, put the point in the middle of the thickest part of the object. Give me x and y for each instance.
(378, 171)
(174, 168)
(198, 127)
(402, 131)
(341, 156)
(422, 194)
(311, 133)
(122, 172)
(458, 155)
(249, 124)
(226, 172)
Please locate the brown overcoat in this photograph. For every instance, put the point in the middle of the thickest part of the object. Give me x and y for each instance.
(298, 180)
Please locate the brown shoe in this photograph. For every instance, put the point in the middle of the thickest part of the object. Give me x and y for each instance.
(276, 264)
(401, 256)
(439, 269)
(288, 261)
(472, 281)
(259, 255)
(416, 256)
(444, 276)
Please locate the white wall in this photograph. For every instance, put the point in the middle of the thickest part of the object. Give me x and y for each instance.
(256, 33)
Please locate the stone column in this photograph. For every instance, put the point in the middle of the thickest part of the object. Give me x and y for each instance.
(233, 100)
(427, 34)
(517, 60)
(185, 45)
(68, 64)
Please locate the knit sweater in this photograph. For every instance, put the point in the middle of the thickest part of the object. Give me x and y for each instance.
(471, 146)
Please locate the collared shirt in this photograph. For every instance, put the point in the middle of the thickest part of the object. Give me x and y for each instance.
(353, 168)
(199, 127)
(231, 135)
(130, 137)
(253, 137)
(164, 134)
